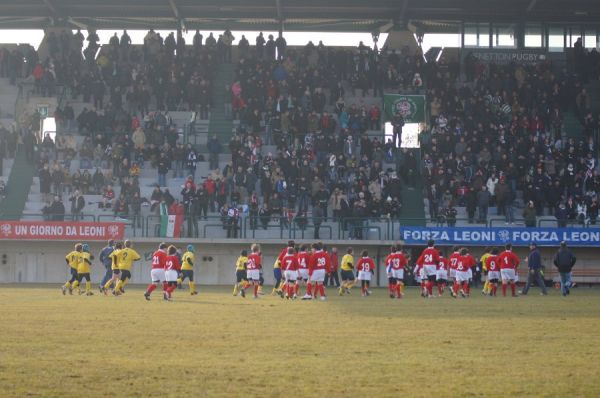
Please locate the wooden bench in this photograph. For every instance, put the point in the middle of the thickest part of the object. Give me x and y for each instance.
(589, 276)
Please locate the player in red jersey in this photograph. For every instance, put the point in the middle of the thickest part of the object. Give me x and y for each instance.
(277, 272)
(441, 276)
(395, 263)
(493, 271)
(172, 269)
(318, 263)
(465, 262)
(365, 268)
(157, 273)
(289, 265)
(454, 257)
(303, 258)
(509, 262)
(429, 261)
(253, 268)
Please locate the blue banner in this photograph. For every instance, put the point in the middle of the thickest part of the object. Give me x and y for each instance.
(481, 236)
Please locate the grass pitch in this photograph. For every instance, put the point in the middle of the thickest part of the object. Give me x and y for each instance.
(215, 344)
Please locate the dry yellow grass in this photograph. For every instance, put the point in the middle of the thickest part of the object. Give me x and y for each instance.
(218, 345)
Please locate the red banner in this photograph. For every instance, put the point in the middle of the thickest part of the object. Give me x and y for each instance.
(56, 230)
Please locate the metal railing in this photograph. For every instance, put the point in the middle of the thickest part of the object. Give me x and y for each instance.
(247, 227)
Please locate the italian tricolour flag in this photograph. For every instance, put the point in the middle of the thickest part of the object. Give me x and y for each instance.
(170, 225)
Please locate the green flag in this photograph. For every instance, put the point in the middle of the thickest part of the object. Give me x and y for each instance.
(411, 107)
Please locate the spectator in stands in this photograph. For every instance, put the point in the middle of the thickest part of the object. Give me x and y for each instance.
(2, 189)
(483, 203)
(530, 215)
(135, 207)
(55, 210)
(108, 196)
(163, 167)
(45, 179)
(77, 204)
(121, 207)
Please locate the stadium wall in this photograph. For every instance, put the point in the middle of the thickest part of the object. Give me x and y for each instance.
(43, 261)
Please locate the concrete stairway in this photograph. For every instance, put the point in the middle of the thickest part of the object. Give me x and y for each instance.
(18, 185)
(8, 96)
(219, 124)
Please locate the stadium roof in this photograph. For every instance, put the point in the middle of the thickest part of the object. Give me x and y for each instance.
(306, 15)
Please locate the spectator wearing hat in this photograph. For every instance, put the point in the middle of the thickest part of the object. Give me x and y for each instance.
(534, 261)
(564, 260)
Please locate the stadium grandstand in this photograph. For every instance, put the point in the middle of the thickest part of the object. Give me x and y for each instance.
(249, 136)
(319, 198)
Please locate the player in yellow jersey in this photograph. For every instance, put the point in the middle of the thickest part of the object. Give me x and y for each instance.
(83, 270)
(116, 272)
(187, 269)
(72, 260)
(240, 274)
(483, 261)
(126, 258)
(347, 268)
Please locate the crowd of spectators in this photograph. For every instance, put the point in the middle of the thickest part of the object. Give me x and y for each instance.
(325, 164)
(500, 133)
(495, 140)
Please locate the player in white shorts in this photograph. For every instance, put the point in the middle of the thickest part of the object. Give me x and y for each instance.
(365, 268)
(289, 265)
(441, 276)
(509, 262)
(303, 257)
(465, 262)
(493, 272)
(157, 273)
(395, 263)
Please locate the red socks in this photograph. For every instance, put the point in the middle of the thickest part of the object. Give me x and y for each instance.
(455, 287)
(504, 289)
(513, 289)
(465, 287)
(322, 290)
(440, 288)
(170, 289)
(309, 289)
(290, 291)
(398, 291)
(165, 286)
(150, 288)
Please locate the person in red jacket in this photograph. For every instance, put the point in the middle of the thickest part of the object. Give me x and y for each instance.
(509, 262)
(365, 268)
(332, 272)
(210, 187)
(172, 269)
